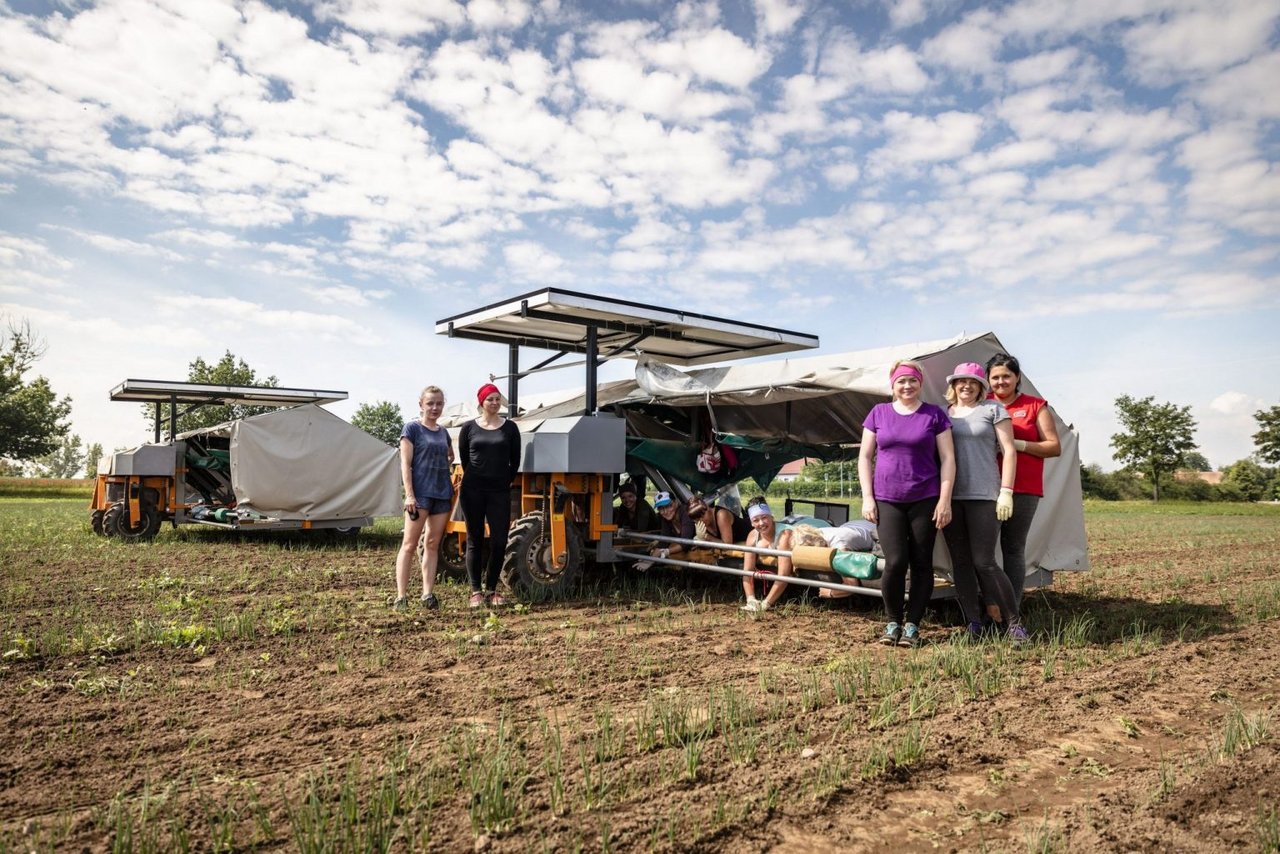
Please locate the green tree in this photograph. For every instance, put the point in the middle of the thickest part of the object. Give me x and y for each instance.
(1268, 436)
(1250, 478)
(1157, 439)
(226, 371)
(32, 418)
(92, 457)
(63, 461)
(381, 420)
(1196, 461)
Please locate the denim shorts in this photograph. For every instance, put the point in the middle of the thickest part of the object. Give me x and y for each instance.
(435, 505)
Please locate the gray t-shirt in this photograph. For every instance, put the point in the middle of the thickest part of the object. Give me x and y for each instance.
(977, 472)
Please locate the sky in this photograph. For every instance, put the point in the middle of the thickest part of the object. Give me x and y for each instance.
(313, 185)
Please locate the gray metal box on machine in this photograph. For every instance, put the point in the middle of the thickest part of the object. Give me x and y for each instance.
(145, 460)
(581, 444)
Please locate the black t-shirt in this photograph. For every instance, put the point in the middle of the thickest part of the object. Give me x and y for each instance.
(490, 458)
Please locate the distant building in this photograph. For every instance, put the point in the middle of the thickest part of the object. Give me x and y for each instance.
(791, 471)
(1213, 478)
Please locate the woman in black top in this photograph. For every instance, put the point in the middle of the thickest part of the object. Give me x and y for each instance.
(489, 448)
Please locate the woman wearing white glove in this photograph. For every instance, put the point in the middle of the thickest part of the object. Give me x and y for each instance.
(982, 499)
(1035, 439)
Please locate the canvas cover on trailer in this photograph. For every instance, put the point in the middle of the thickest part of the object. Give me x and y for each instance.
(307, 463)
(822, 400)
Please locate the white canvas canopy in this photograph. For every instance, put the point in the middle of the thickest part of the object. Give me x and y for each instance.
(307, 463)
(824, 399)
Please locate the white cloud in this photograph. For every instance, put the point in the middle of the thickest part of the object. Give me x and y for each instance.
(1042, 67)
(533, 262)
(1199, 41)
(394, 18)
(969, 46)
(230, 314)
(345, 295)
(1235, 403)
(658, 93)
(777, 17)
(498, 14)
(842, 175)
(1248, 90)
(928, 139)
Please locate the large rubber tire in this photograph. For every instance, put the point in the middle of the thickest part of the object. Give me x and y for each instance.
(116, 522)
(452, 557)
(95, 522)
(527, 564)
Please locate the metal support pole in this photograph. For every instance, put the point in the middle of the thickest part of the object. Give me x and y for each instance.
(513, 380)
(593, 361)
(173, 419)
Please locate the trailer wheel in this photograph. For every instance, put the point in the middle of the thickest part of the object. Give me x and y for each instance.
(116, 522)
(452, 557)
(528, 563)
(95, 522)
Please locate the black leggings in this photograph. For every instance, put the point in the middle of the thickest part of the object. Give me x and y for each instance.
(480, 506)
(971, 539)
(907, 534)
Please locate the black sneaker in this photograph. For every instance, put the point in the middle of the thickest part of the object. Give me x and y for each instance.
(892, 635)
(430, 602)
(910, 636)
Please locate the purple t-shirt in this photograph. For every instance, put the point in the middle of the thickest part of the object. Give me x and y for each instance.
(907, 465)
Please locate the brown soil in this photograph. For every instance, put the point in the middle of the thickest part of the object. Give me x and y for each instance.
(1112, 744)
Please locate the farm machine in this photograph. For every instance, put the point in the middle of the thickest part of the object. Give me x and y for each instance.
(296, 467)
(578, 446)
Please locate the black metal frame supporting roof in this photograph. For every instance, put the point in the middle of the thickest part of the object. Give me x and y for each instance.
(603, 328)
(194, 395)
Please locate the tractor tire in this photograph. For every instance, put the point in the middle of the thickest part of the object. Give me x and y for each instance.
(528, 563)
(116, 522)
(453, 558)
(95, 522)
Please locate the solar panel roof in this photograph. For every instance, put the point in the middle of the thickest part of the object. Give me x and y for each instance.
(555, 319)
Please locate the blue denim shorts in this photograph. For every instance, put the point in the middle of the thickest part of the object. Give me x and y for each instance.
(435, 505)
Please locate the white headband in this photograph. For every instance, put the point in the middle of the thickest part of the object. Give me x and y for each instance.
(757, 510)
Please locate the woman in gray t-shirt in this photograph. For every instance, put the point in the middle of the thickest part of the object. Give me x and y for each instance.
(983, 497)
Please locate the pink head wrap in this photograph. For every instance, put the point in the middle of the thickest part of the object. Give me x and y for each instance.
(904, 371)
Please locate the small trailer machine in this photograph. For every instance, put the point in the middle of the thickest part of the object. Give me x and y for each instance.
(297, 467)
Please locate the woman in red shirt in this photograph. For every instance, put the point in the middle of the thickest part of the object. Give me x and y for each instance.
(1036, 439)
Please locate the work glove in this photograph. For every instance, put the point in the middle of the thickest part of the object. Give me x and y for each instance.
(1004, 504)
(1019, 444)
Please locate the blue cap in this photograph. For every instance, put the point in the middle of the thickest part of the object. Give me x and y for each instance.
(662, 499)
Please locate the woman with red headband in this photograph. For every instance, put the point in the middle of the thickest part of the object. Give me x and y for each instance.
(908, 444)
(489, 448)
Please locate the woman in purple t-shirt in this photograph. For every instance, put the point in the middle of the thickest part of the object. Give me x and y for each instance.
(908, 444)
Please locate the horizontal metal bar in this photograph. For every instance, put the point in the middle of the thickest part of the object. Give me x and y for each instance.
(767, 576)
(701, 544)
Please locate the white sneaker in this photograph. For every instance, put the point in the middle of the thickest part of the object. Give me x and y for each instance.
(756, 606)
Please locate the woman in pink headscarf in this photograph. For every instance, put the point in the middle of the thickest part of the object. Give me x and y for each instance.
(907, 443)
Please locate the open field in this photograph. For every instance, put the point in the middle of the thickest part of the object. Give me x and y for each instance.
(209, 692)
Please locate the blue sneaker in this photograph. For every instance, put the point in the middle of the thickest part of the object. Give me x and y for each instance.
(973, 631)
(910, 635)
(892, 635)
(1018, 635)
